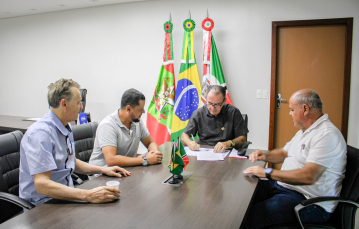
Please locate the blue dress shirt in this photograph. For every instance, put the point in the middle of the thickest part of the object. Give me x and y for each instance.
(46, 146)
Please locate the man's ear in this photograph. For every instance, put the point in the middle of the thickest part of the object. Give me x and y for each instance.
(63, 103)
(128, 108)
(306, 109)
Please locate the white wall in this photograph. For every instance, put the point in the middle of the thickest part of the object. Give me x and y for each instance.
(112, 48)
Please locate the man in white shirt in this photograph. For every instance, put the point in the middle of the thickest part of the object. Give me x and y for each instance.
(314, 164)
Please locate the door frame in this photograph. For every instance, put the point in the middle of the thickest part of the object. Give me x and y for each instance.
(348, 22)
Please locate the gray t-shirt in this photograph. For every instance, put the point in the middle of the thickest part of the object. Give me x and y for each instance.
(111, 132)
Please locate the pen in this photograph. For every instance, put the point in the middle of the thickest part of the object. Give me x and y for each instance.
(192, 137)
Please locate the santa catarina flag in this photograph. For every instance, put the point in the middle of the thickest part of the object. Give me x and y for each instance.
(160, 110)
(212, 69)
(179, 159)
(188, 91)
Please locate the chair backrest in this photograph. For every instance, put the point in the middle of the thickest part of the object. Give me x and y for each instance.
(9, 171)
(344, 214)
(83, 93)
(84, 136)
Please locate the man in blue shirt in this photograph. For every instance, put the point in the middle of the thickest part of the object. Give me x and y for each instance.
(47, 157)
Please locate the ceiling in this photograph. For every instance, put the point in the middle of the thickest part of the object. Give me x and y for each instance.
(16, 8)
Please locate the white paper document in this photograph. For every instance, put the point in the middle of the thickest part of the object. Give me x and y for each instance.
(206, 154)
(234, 154)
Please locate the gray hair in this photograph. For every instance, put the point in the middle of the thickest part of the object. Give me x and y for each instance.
(59, 90)
(131, 97)
(217, 89)
(309, 97)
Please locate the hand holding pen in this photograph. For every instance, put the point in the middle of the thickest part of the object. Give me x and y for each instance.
(193, 145)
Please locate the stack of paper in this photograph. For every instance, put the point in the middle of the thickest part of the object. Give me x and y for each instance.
(207, 154)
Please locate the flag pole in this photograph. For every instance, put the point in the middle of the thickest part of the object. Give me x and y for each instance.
(173, 180)
(179, 177)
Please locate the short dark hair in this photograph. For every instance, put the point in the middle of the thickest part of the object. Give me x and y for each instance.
(217, 89)
(131, 97)
(61, 89)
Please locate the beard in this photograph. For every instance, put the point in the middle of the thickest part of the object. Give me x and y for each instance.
(135, 119)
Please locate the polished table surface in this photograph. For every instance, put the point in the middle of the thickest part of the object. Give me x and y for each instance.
(216, 195)
(10, 123)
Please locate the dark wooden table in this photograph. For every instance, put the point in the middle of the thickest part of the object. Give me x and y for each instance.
(10, 123)
(216, 195)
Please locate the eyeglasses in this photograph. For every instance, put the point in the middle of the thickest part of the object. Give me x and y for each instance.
(70, 149)
(217, 105)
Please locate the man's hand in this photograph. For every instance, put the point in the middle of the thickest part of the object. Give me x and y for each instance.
(255, 170)
(257, 155)
(154, 157)
(193, 146)
(102, 194)
(114, 171)
(221, 146)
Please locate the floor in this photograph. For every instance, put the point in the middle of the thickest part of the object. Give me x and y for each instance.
(357, 220)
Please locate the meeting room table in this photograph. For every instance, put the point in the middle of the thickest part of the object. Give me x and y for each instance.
(216, 195)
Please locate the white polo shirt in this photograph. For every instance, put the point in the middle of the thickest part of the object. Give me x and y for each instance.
(322, 144)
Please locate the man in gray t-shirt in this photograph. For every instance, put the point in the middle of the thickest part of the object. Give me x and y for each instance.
(119, 134)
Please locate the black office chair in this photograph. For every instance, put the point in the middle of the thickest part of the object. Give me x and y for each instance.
(344, 215)
(83, 93)
(10, 202)
(243, 149)
(84, 136)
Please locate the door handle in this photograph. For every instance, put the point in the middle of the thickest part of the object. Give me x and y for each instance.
(279, 100)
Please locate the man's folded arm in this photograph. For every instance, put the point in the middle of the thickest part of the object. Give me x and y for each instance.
(112, 159)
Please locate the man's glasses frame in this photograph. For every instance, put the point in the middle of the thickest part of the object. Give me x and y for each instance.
(217, 105)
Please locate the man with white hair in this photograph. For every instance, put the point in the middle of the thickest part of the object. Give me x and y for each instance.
(314, 164)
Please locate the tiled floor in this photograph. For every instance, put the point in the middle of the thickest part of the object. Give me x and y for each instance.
(357, 220)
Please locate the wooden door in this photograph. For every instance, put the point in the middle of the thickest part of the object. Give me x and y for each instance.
(312, 54)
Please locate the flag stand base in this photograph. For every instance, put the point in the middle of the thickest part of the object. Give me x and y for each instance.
(173, 180)
(178, 177)
(185, 175)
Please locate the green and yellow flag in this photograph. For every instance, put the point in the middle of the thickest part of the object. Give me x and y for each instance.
(188, 91)
(179, 159)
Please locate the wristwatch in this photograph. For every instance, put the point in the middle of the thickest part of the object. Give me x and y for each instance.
(145, 161)
(268, 171)
(232, 142)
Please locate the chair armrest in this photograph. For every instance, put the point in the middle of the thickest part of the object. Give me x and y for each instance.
(243, 149)
(322, 199)
(16, 200)
(245, 146)
(327, 198)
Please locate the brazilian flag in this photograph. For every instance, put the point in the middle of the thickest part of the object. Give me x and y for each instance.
(188, 91)
(179, 159)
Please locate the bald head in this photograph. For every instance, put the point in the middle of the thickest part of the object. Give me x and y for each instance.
(309, 97)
